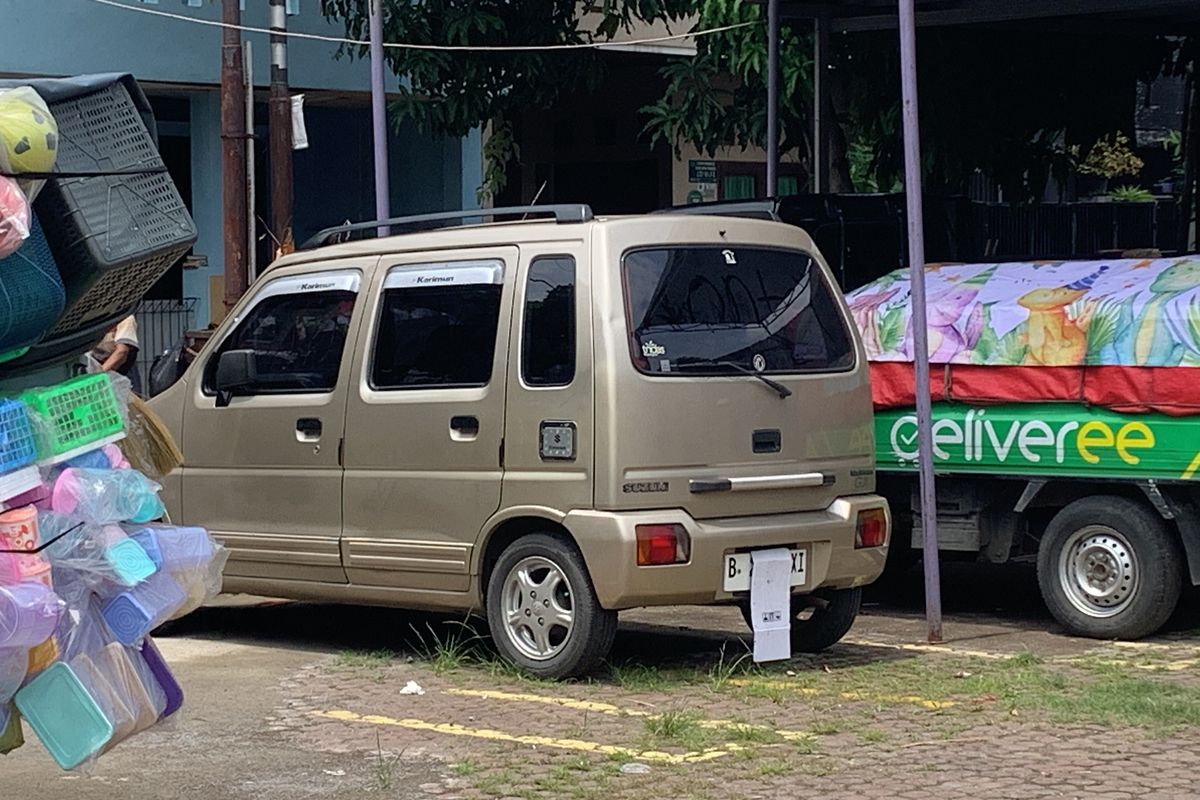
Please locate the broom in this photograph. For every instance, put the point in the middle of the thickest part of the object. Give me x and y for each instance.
(150, 448)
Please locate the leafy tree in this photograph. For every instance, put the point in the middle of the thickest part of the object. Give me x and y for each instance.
(451, 93)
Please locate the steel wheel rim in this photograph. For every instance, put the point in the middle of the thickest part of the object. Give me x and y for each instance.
(1098, 571)
(538, 609)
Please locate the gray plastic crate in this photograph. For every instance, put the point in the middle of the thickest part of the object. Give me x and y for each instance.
(113, 236)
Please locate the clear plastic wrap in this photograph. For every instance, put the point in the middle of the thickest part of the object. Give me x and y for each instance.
(14, 663)
(107, 495)
(28, 138)
(15, 217)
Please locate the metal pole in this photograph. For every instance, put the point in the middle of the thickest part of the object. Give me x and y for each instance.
(772, 98)
(821, 107)
(233, 152)
(379, 116)
(916, 266)
(251, 178)
(280, 117)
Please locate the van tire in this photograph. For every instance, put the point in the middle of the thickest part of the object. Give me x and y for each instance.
(826, 625)
(1099, 545)
(557, 564)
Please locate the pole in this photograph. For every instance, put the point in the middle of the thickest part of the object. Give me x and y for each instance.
(916, 267)
(251, 177)
(280, 116)
(379, 117)
(821, 107)
(233, 152)
(772, 97)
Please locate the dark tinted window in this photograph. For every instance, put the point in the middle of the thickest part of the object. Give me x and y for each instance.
(436, 336)
(548, 338)
(297, 340)
(708, 310)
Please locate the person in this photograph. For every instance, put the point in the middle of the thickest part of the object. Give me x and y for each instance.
(118, 351)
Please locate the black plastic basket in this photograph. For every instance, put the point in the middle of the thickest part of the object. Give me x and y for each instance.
(31, 294)
(113, 236)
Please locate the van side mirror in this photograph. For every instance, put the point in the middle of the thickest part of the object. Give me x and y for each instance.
(237, 370)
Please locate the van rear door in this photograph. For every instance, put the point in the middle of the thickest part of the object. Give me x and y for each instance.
(747, 389)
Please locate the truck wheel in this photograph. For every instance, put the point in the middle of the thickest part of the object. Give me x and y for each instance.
(543, 612)
(830, 618)
(1109, 568)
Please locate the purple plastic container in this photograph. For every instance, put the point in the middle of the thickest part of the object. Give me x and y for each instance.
(162, 674)
(179, 549)
(28, 614)
(131, 615)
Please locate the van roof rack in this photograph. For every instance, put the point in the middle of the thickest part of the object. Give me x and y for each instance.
(576, 212)
(757, 209)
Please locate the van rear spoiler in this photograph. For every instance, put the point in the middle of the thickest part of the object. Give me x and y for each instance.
(754, 209)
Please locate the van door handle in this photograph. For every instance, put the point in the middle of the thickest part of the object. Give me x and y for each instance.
(464, 428)
(308, 429)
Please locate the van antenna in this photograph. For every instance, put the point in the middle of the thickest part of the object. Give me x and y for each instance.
(541, 189)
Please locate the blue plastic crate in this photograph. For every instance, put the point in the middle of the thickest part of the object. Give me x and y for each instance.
(17, 447)
(31, 292)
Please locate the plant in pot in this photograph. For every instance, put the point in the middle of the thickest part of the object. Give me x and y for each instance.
(1110, 157)
(1131, 194)
(1173, 144)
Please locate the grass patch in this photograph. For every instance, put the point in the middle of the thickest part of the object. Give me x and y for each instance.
(635, 677)
(677, 727)
(465, 767)
(749, 733)
(825, 728)
(873, 736)
(450, 648)
(774, 767)
(726, 668)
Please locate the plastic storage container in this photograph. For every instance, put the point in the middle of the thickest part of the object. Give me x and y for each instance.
(17, 448)
(75, 416)
(65, 716)
(112, 236)
(131, 615)
(31, 294)
(28, 614)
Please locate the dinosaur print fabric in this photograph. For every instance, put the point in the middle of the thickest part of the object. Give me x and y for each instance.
(1122, 312)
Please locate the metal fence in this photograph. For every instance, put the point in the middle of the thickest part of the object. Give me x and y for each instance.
(161, 323)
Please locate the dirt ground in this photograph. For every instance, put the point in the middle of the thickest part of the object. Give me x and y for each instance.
(292, 700)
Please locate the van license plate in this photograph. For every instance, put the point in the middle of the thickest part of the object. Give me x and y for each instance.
(737, 570)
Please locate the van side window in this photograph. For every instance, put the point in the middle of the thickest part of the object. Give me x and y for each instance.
(297, 341)
(548, 336)
(436, 335)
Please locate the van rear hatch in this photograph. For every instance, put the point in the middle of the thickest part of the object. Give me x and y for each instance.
(749, 396)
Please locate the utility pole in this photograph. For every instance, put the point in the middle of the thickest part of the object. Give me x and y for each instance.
(281, 131)
(379, 115)
(233, 152)
(772, 188)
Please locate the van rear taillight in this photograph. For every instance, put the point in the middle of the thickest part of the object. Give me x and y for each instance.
(662, 544)
(872, 528)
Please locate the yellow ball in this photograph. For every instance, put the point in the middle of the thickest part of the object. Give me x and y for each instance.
(28, 136)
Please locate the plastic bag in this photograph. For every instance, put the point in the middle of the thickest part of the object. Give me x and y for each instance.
(107, 495)
(28, 138)
(15, 217)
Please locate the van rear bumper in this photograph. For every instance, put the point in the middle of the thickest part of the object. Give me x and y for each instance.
(609, 545)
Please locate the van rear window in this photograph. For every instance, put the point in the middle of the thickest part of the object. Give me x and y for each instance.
(720, 311)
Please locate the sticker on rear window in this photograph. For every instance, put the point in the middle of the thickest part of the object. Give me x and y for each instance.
(650, 349)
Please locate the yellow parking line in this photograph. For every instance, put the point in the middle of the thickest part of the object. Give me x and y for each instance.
(857, 696)
(578, 745)
(617, 711)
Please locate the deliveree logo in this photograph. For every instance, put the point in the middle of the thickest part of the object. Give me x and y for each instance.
(976, 438)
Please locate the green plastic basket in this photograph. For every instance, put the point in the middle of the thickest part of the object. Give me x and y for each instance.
(74, 414)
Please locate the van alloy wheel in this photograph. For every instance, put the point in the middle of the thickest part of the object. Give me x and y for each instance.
(539, 615)
(1099, 571)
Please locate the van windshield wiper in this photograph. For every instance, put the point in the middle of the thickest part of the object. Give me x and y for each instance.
(779, 388)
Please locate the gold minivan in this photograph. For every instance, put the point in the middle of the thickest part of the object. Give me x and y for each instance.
(547, 421)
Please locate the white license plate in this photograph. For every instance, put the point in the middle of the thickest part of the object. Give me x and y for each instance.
(737, 570)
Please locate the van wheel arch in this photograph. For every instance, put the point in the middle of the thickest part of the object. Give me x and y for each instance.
(509, 531)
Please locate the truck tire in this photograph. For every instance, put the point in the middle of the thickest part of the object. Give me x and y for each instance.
(826, 625)
(543, 612)
(1109, 568)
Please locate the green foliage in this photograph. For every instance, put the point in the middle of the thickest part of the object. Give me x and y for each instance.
(1110, 157)
(719, 98)
(1131, 194)
(1102, 330)
(452, 93)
